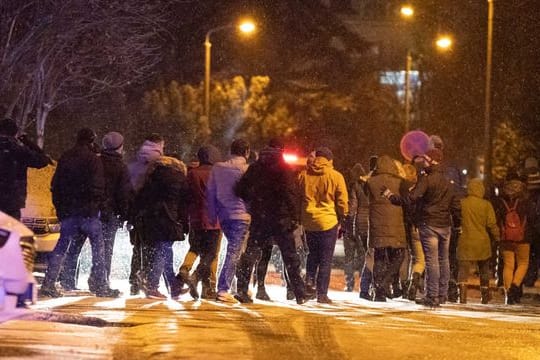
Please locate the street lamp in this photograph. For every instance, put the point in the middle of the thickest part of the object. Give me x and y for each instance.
(245, 27)
(442, 42)
(487, 108)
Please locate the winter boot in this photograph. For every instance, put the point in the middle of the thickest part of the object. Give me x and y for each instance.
(485, 294)
(453, 292)
(380, 294)
(208, 290)
(413, 286)
(511, 294)
(193, 282)
(462, 293)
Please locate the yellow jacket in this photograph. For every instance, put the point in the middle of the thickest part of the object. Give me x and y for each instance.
(324, 196)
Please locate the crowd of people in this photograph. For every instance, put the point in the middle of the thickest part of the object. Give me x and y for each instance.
(415, 228)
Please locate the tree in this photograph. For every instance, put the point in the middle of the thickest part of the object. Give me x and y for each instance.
(510, 147)
(53, 52)
(238, 110)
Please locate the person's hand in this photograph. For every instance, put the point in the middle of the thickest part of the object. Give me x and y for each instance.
(386, 192)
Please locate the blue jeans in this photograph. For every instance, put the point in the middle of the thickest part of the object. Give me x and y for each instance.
(78, 228)
(435, 243)
(321, 246)
(160, 261)
(236, 232)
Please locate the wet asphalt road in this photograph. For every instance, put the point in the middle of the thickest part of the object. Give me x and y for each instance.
(351, 328)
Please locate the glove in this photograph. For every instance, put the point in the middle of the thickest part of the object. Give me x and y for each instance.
(386, 193)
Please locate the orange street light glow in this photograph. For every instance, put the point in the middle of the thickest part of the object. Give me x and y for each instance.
(247, 27)
(444, 42)
(407, 11)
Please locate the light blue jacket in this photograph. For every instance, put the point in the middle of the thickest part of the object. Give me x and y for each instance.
(223, 204)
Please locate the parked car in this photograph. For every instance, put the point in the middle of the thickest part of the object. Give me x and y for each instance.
(16, 263)
(40, 215)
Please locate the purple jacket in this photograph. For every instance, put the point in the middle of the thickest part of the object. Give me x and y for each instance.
(223, 204)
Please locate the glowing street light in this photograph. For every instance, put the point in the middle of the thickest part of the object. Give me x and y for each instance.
(245, 27)
(407, 11)
(444, 42)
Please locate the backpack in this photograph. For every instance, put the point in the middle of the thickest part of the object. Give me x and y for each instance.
(513, 228)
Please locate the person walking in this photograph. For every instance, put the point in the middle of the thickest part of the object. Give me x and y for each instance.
(113, 209)
(479, 227)
(150, 151)
(269, 189)
(204, 236)
(78, 190)
(324, 204)
(386, 225)
(224, 205)
(356, 227)
(512, 210)
(438, 210)
(17, 154)
(162, 205)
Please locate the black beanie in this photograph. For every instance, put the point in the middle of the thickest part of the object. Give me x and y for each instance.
(324, 152)
(86, 136)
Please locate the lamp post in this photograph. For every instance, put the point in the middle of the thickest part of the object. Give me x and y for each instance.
(487, 108)
(245, 27)
(407, 12)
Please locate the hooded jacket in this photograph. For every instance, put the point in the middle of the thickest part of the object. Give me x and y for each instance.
(478, 223)
(223, 203)
(386, 220)
(324, 196)
(198, 182)
(269, 189)
(148, 152)
(162, 201)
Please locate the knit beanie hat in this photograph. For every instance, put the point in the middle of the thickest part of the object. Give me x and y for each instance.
(324, 152)
(112, 141)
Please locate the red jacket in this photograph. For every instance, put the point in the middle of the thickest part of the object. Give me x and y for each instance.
(198, 206)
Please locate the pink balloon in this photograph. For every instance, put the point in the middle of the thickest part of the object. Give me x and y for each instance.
(414, 143)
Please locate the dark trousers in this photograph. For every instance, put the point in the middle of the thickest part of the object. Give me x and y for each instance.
(465, 269)
(77, 229)
(534, 262)
(262, 265)
(321, 245)
(291, 259)
(354, 257)
(158, 261)
(386, 267)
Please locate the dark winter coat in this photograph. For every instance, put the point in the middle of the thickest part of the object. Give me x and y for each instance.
(78, 184)
(359, 208)
(15, 159)
(269, 189)
(162, 201)
(198, 205)
(386, 221)
(478, 223)
(436, 199)
(118, 189)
